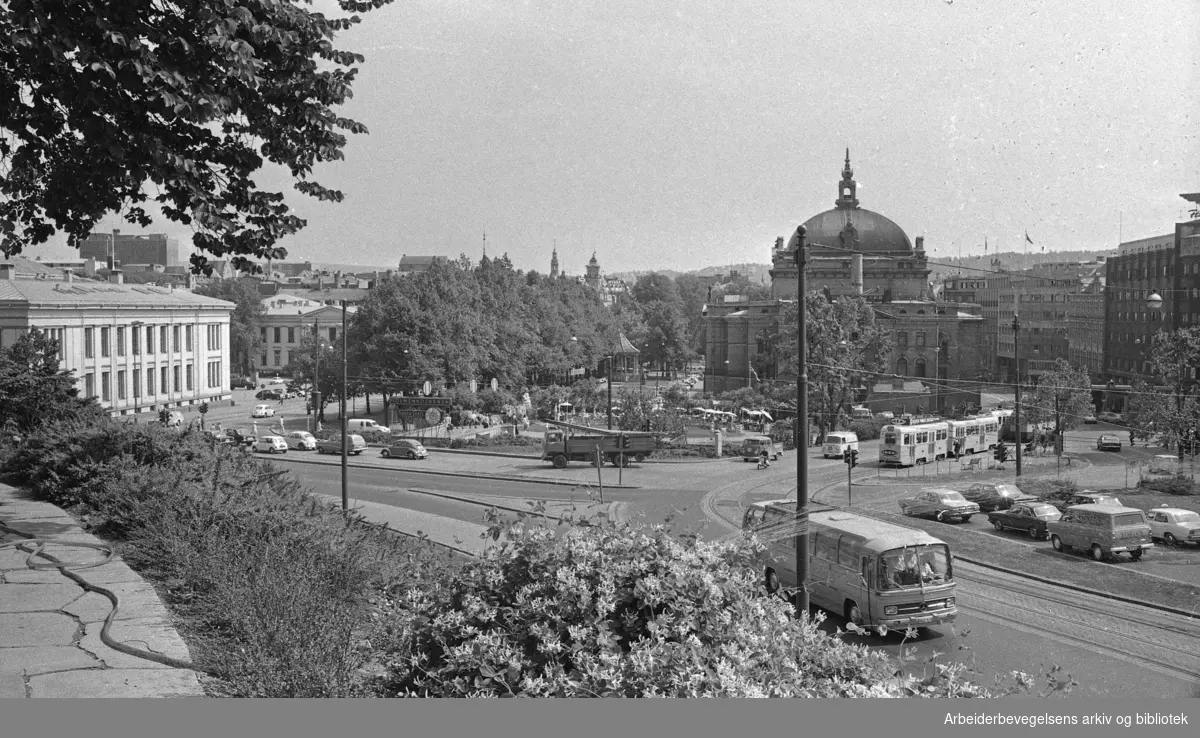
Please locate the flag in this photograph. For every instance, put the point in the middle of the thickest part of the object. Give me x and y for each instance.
(1028, 239)
(985, 244)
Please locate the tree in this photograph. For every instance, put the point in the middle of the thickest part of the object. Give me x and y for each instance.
(846, 346)
(1174, 358)
(1063, 395)
(1144, 411)
(245, 323)
(34, 391)
(103, 98)
(316, 358)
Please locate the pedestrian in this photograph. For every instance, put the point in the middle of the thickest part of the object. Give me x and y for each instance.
(1130, 439)
(281, 399)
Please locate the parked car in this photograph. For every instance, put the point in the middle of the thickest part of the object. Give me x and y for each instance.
(271, 445)
(1090, 419)
(1110, 417)
(753, 446)
(406, 448)
(239, 382)
(1030, 517)
(301, 441)
(1164, 464)
(1102, 531)
(837, 442)
(233, 436)
(990, 496)
(1108, 442)
(1174, 526)
(1087, 497)
(939, 504)
(262, 411)
(333, 445)
(268, 394)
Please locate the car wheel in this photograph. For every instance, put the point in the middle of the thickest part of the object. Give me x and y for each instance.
(1033, 533)
(385, 454)
(853, 613)
(941, 516)
(1170, 539)
(772, 582)
(1136, 554)
(412, 456)
(1056, 542)
(1097, 553)
(320, 450)
(560, 461)
(964, 519)
(639, 458)
(997, 524)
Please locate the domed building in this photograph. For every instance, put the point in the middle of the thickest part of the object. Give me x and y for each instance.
(892, 268)
(931, 339)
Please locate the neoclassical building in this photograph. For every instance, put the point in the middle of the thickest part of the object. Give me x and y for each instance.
(933, 340)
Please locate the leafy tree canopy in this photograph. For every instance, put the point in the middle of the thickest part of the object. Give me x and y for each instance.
(107, 103)
(34, 391)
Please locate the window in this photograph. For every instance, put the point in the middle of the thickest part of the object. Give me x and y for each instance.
(89, 384)
(175, 338)
(162, 339)
(292, 335)
(189, 377)
(214, 337)
(264, 360)
(901, 338)
(920, 338)
(333, 334)
(187, 337)
(137, 384)
(150, 350)
(279, 356)
(847, 554)
(150, 382)
(263, 333)
(121, 341)
(278, 331)
(163, 386)
(901, 367)
(89, 337)
(104, 348)
(105, 391)
(175, 385)
(121, 385)
(135, 337)
(920, 370)
(825, 547)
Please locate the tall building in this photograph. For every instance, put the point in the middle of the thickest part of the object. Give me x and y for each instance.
(593, 278)
(554, 264)
(152, 248)
(135, 348)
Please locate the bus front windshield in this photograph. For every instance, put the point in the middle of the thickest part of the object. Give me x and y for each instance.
(914, 566)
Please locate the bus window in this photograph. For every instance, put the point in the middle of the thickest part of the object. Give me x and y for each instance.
(912, 566)
(941, 435)
(848, 553)
(826, 547)
(908, 439)
(889, 439)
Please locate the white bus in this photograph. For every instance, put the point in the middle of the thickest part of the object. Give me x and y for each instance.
(870, 572)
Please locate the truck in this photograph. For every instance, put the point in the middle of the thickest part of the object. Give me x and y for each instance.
(566, 442)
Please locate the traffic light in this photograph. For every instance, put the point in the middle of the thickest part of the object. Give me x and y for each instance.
(846, 456)
(853, 458)
(1002, 453)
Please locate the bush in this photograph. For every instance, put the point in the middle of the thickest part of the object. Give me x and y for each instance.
(1180, 484)
(867, 430)
(1049, 490)
(613, 611)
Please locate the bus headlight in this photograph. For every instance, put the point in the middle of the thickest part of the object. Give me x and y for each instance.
(949, 602)
(889, 610)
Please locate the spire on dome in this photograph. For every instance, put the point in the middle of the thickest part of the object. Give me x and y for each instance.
(847, 187)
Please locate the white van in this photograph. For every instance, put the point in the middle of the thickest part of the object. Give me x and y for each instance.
(837, 442)
(861, 413)
(361, 426)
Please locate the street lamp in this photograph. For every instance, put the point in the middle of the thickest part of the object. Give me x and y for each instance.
(1154, 301)
(610, 382)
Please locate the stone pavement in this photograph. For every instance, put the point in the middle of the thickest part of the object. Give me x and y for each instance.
(50, 643)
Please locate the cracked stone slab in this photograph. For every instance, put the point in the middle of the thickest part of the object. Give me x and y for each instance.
(123, 683)
(115, 571)
(147, 634)
(37, 597)
(37, 629)
(35, 660)
(138, 600)
(12, 684)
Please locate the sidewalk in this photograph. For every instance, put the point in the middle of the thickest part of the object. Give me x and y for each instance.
(50, 643)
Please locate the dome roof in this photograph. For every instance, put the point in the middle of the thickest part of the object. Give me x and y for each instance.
(875, 232)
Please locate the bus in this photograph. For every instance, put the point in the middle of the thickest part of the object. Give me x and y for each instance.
(874, 574)
(909, 445)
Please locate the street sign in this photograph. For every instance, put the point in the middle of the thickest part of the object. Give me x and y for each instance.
(474, 386)
(427, 389)
(495, 384)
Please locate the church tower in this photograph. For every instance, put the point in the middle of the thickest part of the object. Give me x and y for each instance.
(847, 188)
(593, 272)
(554, 264)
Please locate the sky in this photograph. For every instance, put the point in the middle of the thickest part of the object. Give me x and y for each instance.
(679, 135)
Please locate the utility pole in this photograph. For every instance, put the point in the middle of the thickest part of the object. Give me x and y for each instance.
(1016, 328)
(316, 393)
(801, 430)
(345, 439)
(610, 381)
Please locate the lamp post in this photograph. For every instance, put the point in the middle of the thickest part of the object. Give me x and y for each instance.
(316, 393)
(801, 431)
(345, 440)
(1016, 328)
(610, 381)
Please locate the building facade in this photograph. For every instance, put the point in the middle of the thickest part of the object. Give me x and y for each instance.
(135, 348)
(152, 248)
(289, 321)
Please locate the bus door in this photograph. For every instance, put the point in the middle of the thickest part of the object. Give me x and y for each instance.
(868, 579)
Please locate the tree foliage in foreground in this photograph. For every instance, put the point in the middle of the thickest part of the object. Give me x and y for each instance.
(105, 103)
(34, 391)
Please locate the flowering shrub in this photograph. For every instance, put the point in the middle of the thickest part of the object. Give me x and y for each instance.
(602, 610)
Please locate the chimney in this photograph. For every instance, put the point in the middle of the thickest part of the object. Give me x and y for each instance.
(920, 244)
(116, 277)
(337, 279)
(68, 275)
(8, 271)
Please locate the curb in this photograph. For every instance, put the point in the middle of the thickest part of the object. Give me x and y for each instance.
(438, 473)
(650, 460)
(1042, 580)
(616, 510)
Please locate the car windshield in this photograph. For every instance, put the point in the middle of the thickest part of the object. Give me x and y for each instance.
(1188, 517)
(913, 566)
(1133, 518)
(833, 439)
